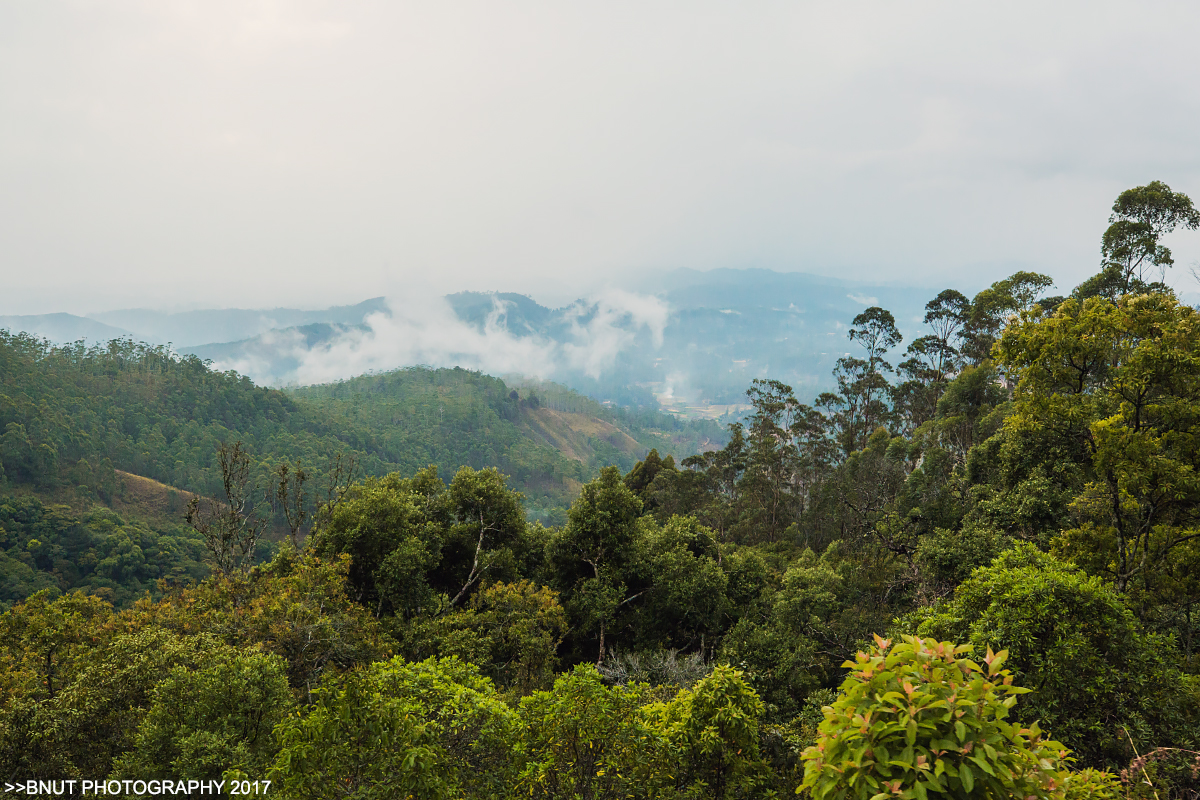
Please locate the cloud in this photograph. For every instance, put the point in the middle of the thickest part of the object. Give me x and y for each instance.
(261, 152)
(425, 330)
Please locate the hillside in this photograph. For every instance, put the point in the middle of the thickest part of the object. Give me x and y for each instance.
(73, 416)
(548, 438)
(65, 539)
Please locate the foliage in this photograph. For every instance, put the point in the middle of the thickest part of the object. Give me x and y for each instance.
(918, 718)
(433, 729)
(1131, 248)
(585, 739)
(713, 731)
(93, 718)
(512, 630)
(655, 667)
(202, 723)
(1100, 678)
(418, 546)
(594, 554)
(295, 607)
(1118, 384)
(117, 556)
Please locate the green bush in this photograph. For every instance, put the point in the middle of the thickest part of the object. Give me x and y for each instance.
(918, 718)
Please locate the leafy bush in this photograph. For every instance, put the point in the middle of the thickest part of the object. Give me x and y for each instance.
(917, 718)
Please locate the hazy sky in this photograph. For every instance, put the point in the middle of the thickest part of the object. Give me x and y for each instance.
(261, 153)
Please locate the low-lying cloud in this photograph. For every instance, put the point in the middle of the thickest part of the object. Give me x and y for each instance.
(422, 330)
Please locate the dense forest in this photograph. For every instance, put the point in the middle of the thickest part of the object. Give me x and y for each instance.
(77, 422)
(72, 414)
(973, 572)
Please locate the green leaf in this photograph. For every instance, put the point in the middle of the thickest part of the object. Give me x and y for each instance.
(983, 765)
(967, 777)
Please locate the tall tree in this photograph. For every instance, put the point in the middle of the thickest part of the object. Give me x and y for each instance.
(860, 404)
(931, 360)
(992, 308)
(1132, 249)
(1123, 380)
(593, 552)
(788, 451)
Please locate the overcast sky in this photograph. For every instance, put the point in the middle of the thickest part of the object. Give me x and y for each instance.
(263, 153)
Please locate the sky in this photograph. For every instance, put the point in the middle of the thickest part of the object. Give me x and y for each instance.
(257, 154)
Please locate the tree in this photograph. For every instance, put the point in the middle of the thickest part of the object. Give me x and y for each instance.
(46, 639)
(287, 494)
(713, 729)
(295, 607)
(95, 718)
(486, 512)
(418, 546)
(393, 529)
(860, 404)
(708, 487)
(1099, 677)
(947, 314)
(592, 553)
(433, 729)
(991, 309)
(788, 449)
(1122, 382)
(1132, 245)
(511, 631)
(685, 605)
(586, 739)
(202, 723)
(641, 477)
(230, 529)
(931, 360)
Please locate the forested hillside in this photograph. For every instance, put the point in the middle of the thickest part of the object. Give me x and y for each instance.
(543, 436)
(75, 417)
(970, 574)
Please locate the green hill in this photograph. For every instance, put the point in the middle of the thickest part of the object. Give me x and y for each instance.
(548, 438)
(73, 417)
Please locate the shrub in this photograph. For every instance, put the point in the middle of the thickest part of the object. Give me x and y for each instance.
(917, 718)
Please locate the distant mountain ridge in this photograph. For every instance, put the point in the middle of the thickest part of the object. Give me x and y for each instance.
(210, 326)
(185, 329)
(62, 327)
(726, 327)
(718, 331)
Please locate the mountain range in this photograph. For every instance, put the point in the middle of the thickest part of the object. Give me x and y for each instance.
(686, 340)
